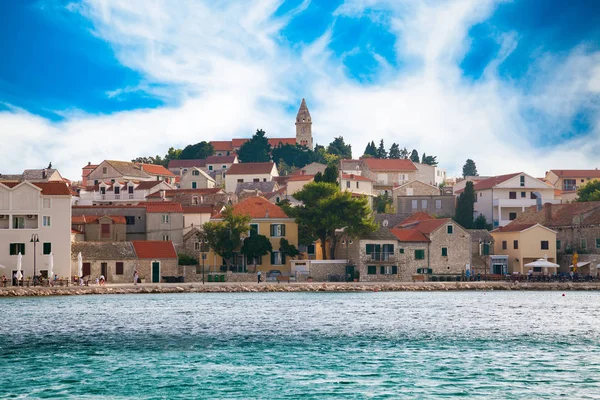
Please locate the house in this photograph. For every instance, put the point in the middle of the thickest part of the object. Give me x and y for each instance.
(460, 183)
(577, 227)
(268, 220)
(196, 216)
(350, 167)
(156, 260)
(569, 180)
(295, 183)
(195, 178)
(119, 192)
(35, 218)
(85, 171)
(34, 175)
(135, 218)
(525, 243)
(180, 167)
(387, 173)
(249, 172)
(501, 199)
(164, 221)
(117, 261)
(122, 171)
(482, 250)
(194, 197)
(311, 169)
(430, 174)
(255, 188)
(100, 228)
(357, 184)
(415, 196)
(215, 166)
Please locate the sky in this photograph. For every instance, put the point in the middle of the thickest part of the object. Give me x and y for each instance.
(513, 85)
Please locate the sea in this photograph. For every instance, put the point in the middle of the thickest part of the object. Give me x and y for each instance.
(369, 345)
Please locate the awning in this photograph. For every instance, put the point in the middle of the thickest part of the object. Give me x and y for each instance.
(581, 264)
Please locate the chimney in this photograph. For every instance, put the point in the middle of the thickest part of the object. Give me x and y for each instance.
(548, 212)
(303, 172)
(89, 163)
(43, 174)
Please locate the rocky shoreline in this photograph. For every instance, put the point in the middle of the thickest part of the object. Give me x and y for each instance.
(296, 287)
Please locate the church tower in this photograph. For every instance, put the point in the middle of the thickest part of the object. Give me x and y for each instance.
(304, 126)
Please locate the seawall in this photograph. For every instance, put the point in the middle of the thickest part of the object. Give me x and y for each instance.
(295, 287)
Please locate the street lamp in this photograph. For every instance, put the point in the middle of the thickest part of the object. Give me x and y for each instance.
(34, 239)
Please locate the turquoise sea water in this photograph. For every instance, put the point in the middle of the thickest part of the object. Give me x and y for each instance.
(500, 345)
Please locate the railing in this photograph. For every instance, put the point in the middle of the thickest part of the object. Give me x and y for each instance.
(569, 188)
(383, 256)
(96, 196)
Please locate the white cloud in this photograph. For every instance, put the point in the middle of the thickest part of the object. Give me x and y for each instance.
(232, 75)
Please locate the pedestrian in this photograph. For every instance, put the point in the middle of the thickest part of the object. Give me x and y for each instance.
(468, 274)
(259, 276)
(102, 280)
(15, 278)
(135, 277)
(97, 281)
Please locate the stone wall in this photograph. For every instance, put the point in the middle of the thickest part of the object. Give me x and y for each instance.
(570, 238)
(111, 270)
(168, 267)
(418, 189)
(428, 204)
(459, 250)
(407, 263)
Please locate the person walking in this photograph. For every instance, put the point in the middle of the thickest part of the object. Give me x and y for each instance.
(135, 277)
(259, 275)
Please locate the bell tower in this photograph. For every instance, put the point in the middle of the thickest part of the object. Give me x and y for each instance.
(304, 126)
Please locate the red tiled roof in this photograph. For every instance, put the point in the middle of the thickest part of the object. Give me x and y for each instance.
(257, 207)
(154, 169)
(300, 178)
(48, 188)
(78, 219)
(276, 141)
(389, 164)
(222, 145)
(251, 168)
(162, 207)
(145, 185)
(93, 219)
(493, 181)
(418, 216)
(512, 227)
(356, 177)
(154, 249)
(90, 166)
(409, 235)
(199, 163)
(174, 192)
(281, 180)
(566, 214)
(110, 206)
(198, 210)
(576, 173)
(220, 159)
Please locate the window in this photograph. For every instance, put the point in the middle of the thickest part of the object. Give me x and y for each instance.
(438, 204)
(512, 195)
(105, 231)
(119, 268)
(197, 246)
(95, 181)
(104, 170)
(223, 166)
(195, 200)
(486, 249)
(47, 203)
(256, 180)
(18, 222)
(450, 229)
(264, 179)
(357, 185)
(558, 244)
(165, 218)
(166, 238)
(240, 181)
(444, 252)
(544, 244)
(129, 220)
(16, 248)
(523, 195)
(276, 258)
(372, 270)
(424, 204)
(45, 221)
(533, 196)
(253, 230)
(348, 184)
(401, 251)
(195, 172)
(117, 190)
(210, 167)
(277, 230)
(512, 216)
(583, 243)
(522, 180)
(597, 243)
(394, 270)
(310, 249)
(47, 248)
(419, 254)
(194, 185)
(415, 204)
(515, 244)
(504, 245)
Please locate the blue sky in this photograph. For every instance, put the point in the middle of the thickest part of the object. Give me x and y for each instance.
(511, 84)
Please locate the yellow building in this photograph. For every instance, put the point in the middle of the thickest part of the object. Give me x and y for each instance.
(271, 221)
(524, 243)
(569, 180)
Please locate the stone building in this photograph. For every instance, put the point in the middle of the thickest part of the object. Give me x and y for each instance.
(164, 221)
(482, 247)
(156, 260)
(103, 228)
(135, 217)
(387, 173)
(417, 196)
(115, 260)
(195, 178)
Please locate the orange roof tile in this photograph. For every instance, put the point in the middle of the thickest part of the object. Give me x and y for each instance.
(251, 168)
(493, 181)
(154, 249)
(93, 219)
(512, 227)
(162, 207)
(257, 207)
(389, 164)
(48, 188)
(222, 145)
(576, 173)
(409, 235)
(198, 209)
(276, 141)
(418, 216)
(300, 178)
(356, 177)
(154, 169)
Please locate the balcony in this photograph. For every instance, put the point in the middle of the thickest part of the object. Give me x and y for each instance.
(380, 257)
(569, 188)
(112, 197)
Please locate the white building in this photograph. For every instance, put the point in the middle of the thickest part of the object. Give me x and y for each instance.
(249, 172)
(195, 178)
(28, 209)
(120, 193)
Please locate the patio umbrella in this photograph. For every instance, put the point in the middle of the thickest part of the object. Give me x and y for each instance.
(79, 265)
(50, 266)
(543, 263)
(19, 261)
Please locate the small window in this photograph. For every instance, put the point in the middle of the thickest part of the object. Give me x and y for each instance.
(104, 170)
(276, 258)
(558, 244)
(357, 185)
(223, 166)
(504, 245)
(240, 180)
(45, 221)
(401, 251)
(438, 204)
(415, 204)
(129, 220)
(515, 244)
(18, 222)
(372, 270)
(47, 248)
(256, 180)
(419, 254)
(105, 231)
(277, 230)
(523, 195)
(210, 167)
(310, 249)
(165, 218)
(130, 189)
(253, 229)
(348, 184)
(47, 203)
(195, 172)
(424, 204)
(194, 185)
(544, 244)
(512, 216)
(450, 229)
(16, 248)
(197, 246)
(119, 268)
(522, 181)
(166, 238)
(597, 243)
(512, 195)
(583, 242)
(444, 252)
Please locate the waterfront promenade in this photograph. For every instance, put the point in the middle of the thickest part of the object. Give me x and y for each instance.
(294, 287)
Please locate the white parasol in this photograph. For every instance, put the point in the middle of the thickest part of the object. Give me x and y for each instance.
(19, 262)
(79, 265)
(51, 266)
(542, 262)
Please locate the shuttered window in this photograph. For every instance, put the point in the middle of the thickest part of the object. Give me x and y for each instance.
(372, 270)
(119, 268)
(16, 248)
(47, 248)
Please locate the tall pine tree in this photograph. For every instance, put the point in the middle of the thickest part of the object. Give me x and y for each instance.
(394, 151)
(465, 207)
(381, 152)
(414, 156)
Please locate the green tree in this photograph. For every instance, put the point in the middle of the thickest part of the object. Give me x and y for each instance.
(404, 153)
(331, 174)
(394, 151)
(256, 246)
(414, 156)
(381, 202)
(429, 160)
(256, 149)
(480, 222)
(381, 152)
(199, 150)
(370, 150)
(589, 192)
(339, 148)
(225, 236)
(287, 249)
(465, 207)
(469, 169)
(157, 160)
(293, 155)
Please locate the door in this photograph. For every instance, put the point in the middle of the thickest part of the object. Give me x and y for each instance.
(349, 273)
(155, 271)
(103, 270)
(86, 269)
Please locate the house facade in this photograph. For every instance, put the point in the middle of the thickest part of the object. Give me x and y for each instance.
(116, 261)
(417, 196)
(104, 228)
(568, 181)
(388, 173)
(195, 178)
(120, 192)
(134, 215)
(164, 222)
(121, 171)
(30, 211)
(249, 172)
